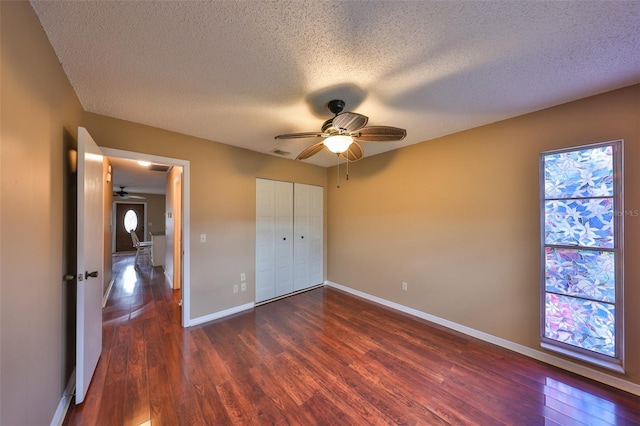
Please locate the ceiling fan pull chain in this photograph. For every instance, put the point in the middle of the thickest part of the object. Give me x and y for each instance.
(347, 164)
(338, 171)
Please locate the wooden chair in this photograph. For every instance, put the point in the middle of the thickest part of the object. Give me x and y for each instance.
(142, 247)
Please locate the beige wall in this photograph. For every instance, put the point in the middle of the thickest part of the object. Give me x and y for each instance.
(457, 218)
(40, 115)
(222, 203)
(156, 205)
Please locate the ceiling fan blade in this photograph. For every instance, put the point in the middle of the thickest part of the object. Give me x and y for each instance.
(312, 150)
(380, 134)
(137, 197)
(349, 121)
(301, 135)
(355, 152)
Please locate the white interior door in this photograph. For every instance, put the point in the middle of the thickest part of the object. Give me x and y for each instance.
(289, 238)
(284, 237)
(90, 261)
(301, 237)
(265, 238)
(308, 245)
(316, 235)
(274, 239)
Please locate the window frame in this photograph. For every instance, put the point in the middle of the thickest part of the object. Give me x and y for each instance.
(615, 363)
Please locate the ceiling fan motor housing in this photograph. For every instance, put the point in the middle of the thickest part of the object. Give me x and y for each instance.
(336, 106)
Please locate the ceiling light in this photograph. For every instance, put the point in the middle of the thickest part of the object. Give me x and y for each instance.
(338, 143)
(144, 163)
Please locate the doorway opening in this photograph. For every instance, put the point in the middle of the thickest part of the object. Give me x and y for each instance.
(176, 217)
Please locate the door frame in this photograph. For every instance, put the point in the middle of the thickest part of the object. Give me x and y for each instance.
(186, 192)
(115, 219)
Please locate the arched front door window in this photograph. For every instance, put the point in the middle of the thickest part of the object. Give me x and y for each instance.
(130, 220)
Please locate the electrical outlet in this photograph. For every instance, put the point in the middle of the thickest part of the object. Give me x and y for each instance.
(235, 288)
(404, 286)
(243, 287)
(203, 238)
(243, 276)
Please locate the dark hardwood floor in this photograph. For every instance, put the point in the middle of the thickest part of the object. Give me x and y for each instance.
(322, 357)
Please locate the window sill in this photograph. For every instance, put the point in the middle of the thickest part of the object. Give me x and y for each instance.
(613, 366)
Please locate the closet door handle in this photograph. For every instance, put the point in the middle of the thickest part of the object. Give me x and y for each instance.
(302, 237)
(284, 239)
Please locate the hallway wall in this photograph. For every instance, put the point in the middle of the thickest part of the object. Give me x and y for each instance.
(40, 116)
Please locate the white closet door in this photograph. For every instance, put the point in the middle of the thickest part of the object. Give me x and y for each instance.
(274, 239)
(301, 237)
(289, 238)
(308, 235)
(265, 237)
(284, 238)
(316, 236)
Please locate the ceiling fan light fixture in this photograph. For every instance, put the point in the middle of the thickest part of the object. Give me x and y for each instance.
(144, 163)
(338, 143)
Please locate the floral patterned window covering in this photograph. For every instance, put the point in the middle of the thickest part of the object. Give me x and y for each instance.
(580, 249)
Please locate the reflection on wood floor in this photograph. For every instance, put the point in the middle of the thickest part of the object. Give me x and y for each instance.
(320, 357)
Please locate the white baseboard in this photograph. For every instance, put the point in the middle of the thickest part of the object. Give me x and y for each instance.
(105, 297)
(246, 306)
(168, 278)
(581, 370)
(65, 401)
(220, 314)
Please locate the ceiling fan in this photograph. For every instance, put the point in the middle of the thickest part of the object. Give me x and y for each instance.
(125, 195)
(342, 133)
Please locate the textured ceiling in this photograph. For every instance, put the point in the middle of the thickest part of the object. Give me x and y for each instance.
(138, 179)
(242, 72)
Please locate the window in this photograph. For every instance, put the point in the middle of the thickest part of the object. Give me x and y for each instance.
(581, 289)
(130, 221)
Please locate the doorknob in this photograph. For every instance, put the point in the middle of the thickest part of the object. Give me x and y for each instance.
(88, 274)
(69, 277)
